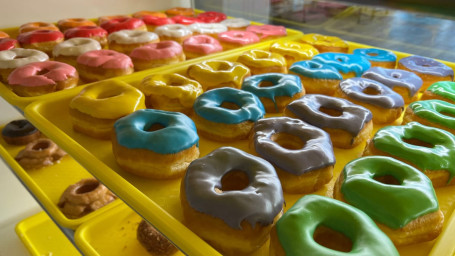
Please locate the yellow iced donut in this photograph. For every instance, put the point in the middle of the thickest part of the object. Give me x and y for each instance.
(326, 43)
(294, 51)
(260, 62)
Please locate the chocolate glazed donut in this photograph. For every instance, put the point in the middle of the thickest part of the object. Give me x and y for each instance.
(20, 132)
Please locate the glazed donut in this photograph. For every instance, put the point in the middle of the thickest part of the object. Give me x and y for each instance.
(200, 45)
(31, 26)
(218, 73)
(435, 113)
(399, 198)
(7, 43)
(294, 51)
(302, 154)
(275, 90)
(66, 24)
(180, 11)
(378, 57)
(93, 32)
(226, 114)
(152, 22)
(440, 91)
(326, 43)
(234, 39)
(385, 104)
(319, 225)
(155, 144)
(431, 150)
(96, 108)
(348, 124)
(185, 20)
(39, 153)
(176, 32)
(232, 194)
(142, 14)
(18, 57)
(40, 78)
(261, 61)
(116, 24)
(349, 65)
(267, 32)
(68, 50)
(84, 197)
(236, 23)
(157, 54)
(3, 34)
(317, 77)
(211, 17)
(170, 92)
(209, 29)
(153, 241)
(102, 64)
(403, 82)
(125, 41)
(43, 40)
(430, 70)
(20, 132)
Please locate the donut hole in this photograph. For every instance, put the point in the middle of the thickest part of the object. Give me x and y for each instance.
(371, 91)
(234, 180)
(331, 111)
(396, 75)
(387, 179)
(223, 66)
(288, 141)
(19, 57)
(265, 84)
(372, 54)
(40, 146)
(42, 72)
(447, 114)
(154, 127)
(417, 142)
(107, 94)
(230, 105)
(332, 239)
(87, 187)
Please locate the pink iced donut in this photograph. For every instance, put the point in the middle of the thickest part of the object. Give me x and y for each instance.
(121, 23)
(157, 54)
(233, 39)
(200, 45)
(39, 78)
(101, 64)
(267, 31)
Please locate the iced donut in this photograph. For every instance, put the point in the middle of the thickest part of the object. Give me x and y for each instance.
(20, 132)
(117, 24)
(378, 57)
(42, 40)
(440, 91)
(236, 23)
(349, 65)
(152, 22)
(326, 43)
(39, 153)
(3, 34)
(234, 39)
(142, 14)
(317, 77)
(7, 43)
(200, 45)
(218, 73)
(157, 54)
(209, 29)
(93, 32)
(294, 51)
(261, 61)
(153, 241)
(31, 26)
(435, 113)
(180, 11)
(176, 32)
(68, 50)
(103, 19)
(18, 57)
(185, 20)
(211, 17)
(125, 41)
(66, 24)
(267, 32)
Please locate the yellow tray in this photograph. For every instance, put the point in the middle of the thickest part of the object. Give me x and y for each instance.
(42, 237)
(158, 201)
(47, 184)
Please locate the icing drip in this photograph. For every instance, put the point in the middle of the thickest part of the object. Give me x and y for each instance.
(395, 78)
(316, 70)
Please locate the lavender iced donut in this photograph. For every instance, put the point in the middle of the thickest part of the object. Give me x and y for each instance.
(378, 57)
(403, 82)
(302, 153)
(385, 104)
(430, 70)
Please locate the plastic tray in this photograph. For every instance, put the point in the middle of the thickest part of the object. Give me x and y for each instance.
(42, 237)
(158, 201)
(47, 184)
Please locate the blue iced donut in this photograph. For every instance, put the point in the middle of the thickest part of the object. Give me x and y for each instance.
(275, 90)
(155, 143)
(378, 57)
(317, 77)
(227, 113)
(349, 65)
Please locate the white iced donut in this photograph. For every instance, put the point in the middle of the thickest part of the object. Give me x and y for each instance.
(76, 46)
(132, 37)
(211, 29)
(236, 23)
(176, 32)
(19, 57)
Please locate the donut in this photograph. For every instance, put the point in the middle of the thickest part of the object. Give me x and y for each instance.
(142, 14)
(18, 57)
(152, 22)
(155, 144)
(7, 43)
(103, 19)
(102, 64)
(31, 26)
(399, 198)
(122, 23)
(65, 24)
(43, 40)
(176, 32)
(170, 92)
(157, 54)
(40, 78)
(294, 51)
(153, 241)
(180, 11)
(403, 82)
(96, 108)
(3, 34)
(200, 45)
(431, 150)
(385, 104)
(218, 73)
(378, 57)
(185, 20)
(261, 61)
(39, 153)
(440, 91)
(93, 32)
(125, 41)
(209, 29)
(275, 90)
(430, 70)
(226, 114)
(319, 225)
(211, 17)
(317, 77)
(84, 197)
(68, 50)
(435, 113)
(20, 132)
(302, 154)
(236, 23)
(326, 43)
(267, 32)
(349, 65)
(234, 39)
(233, 194)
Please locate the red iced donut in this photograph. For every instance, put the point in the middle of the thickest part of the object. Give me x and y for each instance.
(93, 32)
(212, 17)
(43, 40)
(7, 43)
(154, 21)
(117, 24)
(185, 20)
